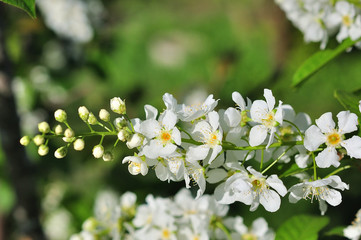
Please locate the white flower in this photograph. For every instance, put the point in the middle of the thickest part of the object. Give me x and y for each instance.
(325, 132)
(210, 134)
(195, 172)
(354, 231)
(252, 190)
(263, 112)
(136, 140)
(193, 112)
(319, 190)
(164, 135)
(259, 229)
(136, 165)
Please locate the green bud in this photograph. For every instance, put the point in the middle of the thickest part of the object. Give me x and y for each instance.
(43, 150)
(61, 152)
(44, 127)
(123, 135)
(120, 123)
(108, 156)
(58, 129)
(117, 105)
(69, 133)
(83, 113)
(90, 224)
(92, 119)
(79, 144)
(98, 151)
(38, 140)
(60, 115)
(104, 115)
(25, 140)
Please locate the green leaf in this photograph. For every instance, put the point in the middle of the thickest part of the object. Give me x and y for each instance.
(337, 231)
(349, 101)
(26, 5)
(293, 169)
(318, 60)
(301, 227)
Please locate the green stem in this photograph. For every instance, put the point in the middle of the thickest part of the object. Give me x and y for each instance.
(245, 158)
(262, 156)
(338, 170)
(298, 130)
(275, 161)
(314, 167)
(102, 125)
(224, 229)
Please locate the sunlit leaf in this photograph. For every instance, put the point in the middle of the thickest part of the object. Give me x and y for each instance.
(318, 60)
(301, 227)
(349, 101)
(26, 5)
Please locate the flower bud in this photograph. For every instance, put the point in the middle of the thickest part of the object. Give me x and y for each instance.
(136, 140)
(98, 151)
(123, 135)
(61, 152)
(120, 123)
(83, 113)
(117, 105)
(79, 144)
(58, 129)
(69, 133)
(25, 140)
(60, 115)
(44, 127)
(108, 156)
(104, 115)
(90, 224)
(92, 119)
(43, 150)
(38, 140)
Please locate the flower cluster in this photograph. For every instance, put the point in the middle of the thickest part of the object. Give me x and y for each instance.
(320, 19)
(167, 219)
(236, 148)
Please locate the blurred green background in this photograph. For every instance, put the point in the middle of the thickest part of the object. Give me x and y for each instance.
(141, 50)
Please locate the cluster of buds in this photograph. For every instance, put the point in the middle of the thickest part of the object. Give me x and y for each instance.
(235, 148)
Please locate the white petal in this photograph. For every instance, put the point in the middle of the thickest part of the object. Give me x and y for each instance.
(336, 182)
(277, 184)
(150, 128)
(259, 227)
(161, 172)
(270, 200)
(257, 135)
(269, 99)
(327, 157)
(176, 136)
(215, 151)
(169, 119)
(238, 99)
(150, 112)
(213, 120)
(288, 112)
(170, 101)
(222, 196)
(353, 146)
(216, 175)
(323, 206)
(279, 114)
(232, 117)
(197, 153)
(325, 122)
(332, 197)
(296, 193)
(347, 122)
(259, 110)
(313, 138)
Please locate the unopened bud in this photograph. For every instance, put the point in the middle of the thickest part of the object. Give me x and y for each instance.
(117, 105)
(25, 140)
(92, 119)
(44, 127)
(104, 115)
(43, 150)
(60, 115)
(58, 129)
(83, 113)
(90, 224)
(120, 123)
(38, 140)
(61, 152)
(98, 151)
(123, 135)
(136, 140)
(108, 156)
(79, 144)
(69, 133)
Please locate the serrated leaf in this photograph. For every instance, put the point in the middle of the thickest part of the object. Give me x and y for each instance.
(26, 5)
(301, 227)
(349, 101)
(319, 60)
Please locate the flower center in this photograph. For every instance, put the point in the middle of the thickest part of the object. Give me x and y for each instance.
(249, 236)
(165, 234)
(346, 20)
(333, 139)
(315, 192)
(269, 121)
(258, 185)
(135, 166)
(165, 137)
(212, 140)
